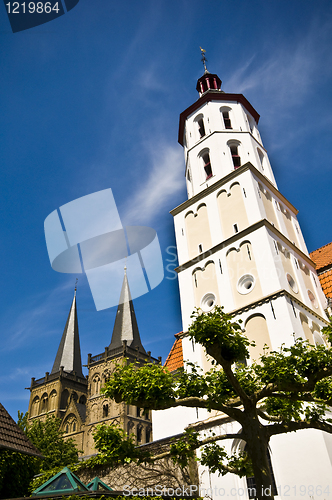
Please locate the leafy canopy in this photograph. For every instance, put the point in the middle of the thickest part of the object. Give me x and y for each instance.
(283, 391)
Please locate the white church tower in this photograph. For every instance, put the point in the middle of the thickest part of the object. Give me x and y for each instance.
(240, 246)
(238, 238)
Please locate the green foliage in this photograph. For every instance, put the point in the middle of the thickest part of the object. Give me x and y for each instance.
(217, 330)
(48, 439)
(285, 409)
(16, 472)
(113, 443)
(183, 449)
(132, 384)
(216, 459)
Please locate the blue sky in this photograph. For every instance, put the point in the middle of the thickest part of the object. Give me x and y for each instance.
(92, 100)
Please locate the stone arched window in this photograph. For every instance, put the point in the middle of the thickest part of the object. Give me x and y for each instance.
(95, 386)
(139, 434)
(70, 424)
(64, 399)
(105, 410)
(82, 400)
(52, 402)
(44, 403)
(35, 407)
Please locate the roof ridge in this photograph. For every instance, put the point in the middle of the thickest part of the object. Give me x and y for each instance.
(320, 248)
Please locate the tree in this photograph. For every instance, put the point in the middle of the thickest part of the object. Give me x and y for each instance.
(17, 470)
(284, 391)
(48, 439)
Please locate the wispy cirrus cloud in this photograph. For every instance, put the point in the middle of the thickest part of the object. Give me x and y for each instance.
(155, 192)
(289, 71)
(34, 319)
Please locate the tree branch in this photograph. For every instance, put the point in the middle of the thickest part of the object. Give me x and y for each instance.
(268, 417)
(208, 440)
(285, 427)
(193, 402)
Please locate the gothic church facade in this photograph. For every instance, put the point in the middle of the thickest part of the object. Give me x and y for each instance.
(76, 399)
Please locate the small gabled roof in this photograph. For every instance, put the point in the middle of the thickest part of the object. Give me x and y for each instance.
(98, 485)
(13, 438)
(63, 482)
(125, 326)
(175, 358)
(69, 351)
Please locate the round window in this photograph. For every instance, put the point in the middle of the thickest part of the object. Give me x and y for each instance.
(312, 299)
(292, 282)
(246, 283)
(208, 302)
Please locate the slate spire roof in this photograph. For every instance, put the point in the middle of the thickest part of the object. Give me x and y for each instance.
(125, 326)
(69, 352)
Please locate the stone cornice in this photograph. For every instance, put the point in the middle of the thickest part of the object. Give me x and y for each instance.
(239, 236)
(233, 175)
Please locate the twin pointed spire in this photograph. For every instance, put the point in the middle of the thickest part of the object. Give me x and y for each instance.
(69, 352)
(125, 326)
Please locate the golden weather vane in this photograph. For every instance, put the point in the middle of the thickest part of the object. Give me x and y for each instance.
(204, 60)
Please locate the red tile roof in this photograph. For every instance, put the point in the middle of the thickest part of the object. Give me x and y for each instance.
(322, 257)
(326, 283)
(12, 437)
(175, 358)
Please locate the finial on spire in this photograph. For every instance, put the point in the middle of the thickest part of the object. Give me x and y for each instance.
(204, 60)
(125, 270)
(75, 287)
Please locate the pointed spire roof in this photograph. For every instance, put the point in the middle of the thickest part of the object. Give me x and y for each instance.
(69, 352)
(125, 326)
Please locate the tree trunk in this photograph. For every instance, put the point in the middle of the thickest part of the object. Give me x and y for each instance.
(257, 449)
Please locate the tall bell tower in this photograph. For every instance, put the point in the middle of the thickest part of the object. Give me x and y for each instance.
(238, 238)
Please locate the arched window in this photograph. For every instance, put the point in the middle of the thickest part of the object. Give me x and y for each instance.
(207, 165)
(147, 435)
(74, 426)
(95, 386)
(64, 399)
(82, 400)
(138, 412)
(35, 407)
(227, 120)
(226, 117)
(53, 400)
(105, 410)
(261, 158)
(199, 122)
(201, 128)
(139, 434)
(235, 155)
(44, 403)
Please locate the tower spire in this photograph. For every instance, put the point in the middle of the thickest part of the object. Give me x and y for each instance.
(204, 60)
(208, 81)
(125, 326)
(69, 351)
